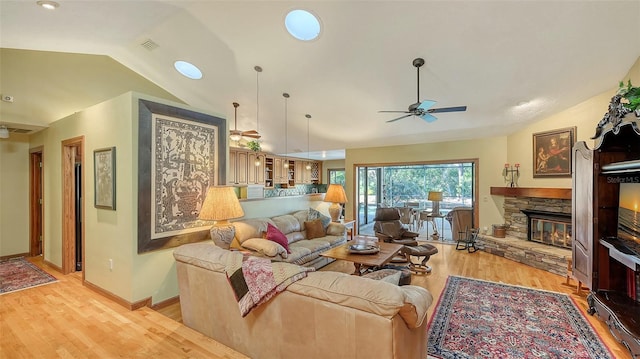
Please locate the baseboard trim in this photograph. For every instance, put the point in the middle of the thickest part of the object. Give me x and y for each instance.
(166, 303)
(121, 301)
(53, 266)
(14, 256)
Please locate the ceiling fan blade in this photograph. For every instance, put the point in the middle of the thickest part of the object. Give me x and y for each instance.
(395, 111)
(427, 117)
(448, 109)
(400, 118)
(252, 135)
(250, 132)
(426, 104)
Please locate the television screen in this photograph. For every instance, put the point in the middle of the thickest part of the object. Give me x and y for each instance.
(628, 215)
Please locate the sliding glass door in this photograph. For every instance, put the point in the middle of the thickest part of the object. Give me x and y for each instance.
(401, 185)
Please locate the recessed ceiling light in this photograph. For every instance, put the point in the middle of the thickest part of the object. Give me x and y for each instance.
(302, 25)
(188, 70)
(49, 5)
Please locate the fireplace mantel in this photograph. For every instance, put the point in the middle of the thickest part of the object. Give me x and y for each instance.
(556, 193)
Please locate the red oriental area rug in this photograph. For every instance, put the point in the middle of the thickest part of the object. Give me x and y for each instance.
(18, 273)
(481, 319)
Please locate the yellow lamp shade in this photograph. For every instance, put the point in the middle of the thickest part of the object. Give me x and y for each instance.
(220, 205)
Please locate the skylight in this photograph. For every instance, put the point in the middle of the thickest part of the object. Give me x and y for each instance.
(188, 69)
(302, 25)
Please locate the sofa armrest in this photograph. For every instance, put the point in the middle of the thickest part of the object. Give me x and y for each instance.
(417, 302)
(336, 229)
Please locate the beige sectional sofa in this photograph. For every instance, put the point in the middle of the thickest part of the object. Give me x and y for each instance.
(306, 252)
(324, 315)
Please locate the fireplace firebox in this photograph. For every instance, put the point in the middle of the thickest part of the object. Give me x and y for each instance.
(553, 228)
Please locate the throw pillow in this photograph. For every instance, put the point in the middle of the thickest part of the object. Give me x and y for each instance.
(222, 236)
(265, 247)
(314, 229)
(315, 214)
(274, 234)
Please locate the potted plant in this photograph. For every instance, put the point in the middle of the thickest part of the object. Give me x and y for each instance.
(254, 145)
(631, 95)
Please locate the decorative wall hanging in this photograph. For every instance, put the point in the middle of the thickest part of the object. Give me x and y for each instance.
(552, 152)
(104, 178)
(181, 153)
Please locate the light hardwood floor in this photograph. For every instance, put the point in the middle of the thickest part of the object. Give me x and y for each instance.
(66, 319)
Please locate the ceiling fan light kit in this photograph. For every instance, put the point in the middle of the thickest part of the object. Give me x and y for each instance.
(423, 109)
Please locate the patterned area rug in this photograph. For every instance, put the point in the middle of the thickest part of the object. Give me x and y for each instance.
(480, 319)
(18, 273)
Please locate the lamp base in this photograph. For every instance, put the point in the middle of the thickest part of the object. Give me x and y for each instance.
(334, 211)
(436, 208)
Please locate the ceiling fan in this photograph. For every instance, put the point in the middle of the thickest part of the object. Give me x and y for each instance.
(235, 134)
(423, 109)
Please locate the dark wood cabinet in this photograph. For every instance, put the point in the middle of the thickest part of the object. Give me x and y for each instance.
(598, 261)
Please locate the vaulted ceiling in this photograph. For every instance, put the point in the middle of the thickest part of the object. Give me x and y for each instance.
(510, 62)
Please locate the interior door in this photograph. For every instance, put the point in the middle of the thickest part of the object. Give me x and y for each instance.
(582, 213)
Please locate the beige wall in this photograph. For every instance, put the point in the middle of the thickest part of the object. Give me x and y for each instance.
(14, 195)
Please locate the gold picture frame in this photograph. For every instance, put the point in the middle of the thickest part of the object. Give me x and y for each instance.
(552, 152)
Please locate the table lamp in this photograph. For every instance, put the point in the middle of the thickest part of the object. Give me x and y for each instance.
(435, 197)
(220, 205)
(335, 195)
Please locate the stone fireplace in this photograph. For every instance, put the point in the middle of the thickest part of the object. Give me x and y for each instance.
(551, 222)
(551, 228)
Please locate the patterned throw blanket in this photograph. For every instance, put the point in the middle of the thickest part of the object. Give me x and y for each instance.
(255, 280)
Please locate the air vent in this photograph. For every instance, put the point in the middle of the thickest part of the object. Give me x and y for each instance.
(149, 45)
(18, 130)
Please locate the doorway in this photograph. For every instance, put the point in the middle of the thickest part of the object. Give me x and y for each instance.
(73, 205)
(36, 205)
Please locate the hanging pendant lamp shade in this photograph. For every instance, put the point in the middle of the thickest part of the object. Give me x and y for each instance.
(235, 134)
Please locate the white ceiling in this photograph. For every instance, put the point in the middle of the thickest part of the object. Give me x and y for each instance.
(487, 55)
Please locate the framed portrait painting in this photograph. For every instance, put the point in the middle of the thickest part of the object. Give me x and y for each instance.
(104, 175)
(180, 154)
(552, 152)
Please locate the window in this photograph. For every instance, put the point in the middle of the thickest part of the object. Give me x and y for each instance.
(336, 175)
(400, 184)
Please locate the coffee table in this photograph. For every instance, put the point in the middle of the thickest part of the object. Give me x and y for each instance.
(364, 261)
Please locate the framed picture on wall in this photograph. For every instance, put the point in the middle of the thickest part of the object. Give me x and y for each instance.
(180, 154)
(104, 175)
(552, 152)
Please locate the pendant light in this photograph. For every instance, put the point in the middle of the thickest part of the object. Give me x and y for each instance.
(308, 166)
(286, 139)
(258, 71)
(235, 134)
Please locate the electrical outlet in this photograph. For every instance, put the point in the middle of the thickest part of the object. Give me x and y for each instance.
(110, 264)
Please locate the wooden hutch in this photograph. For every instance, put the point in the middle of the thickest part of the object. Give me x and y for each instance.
(610, 269)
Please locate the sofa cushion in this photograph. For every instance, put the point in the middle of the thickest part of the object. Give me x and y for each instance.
(250, 228)
(314, 229)
(287, 223)
(314, 245)
(265, 247)
(274, 234)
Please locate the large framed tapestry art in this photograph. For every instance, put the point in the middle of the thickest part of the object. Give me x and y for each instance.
(181, 153)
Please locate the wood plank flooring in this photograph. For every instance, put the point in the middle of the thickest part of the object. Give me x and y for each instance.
(67, 320)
